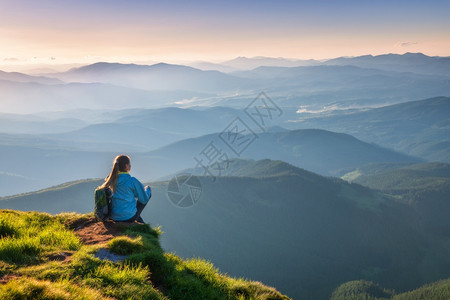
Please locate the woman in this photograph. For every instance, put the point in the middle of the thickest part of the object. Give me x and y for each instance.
(129, 194)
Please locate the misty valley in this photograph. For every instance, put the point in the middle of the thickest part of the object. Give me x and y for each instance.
(319, 178)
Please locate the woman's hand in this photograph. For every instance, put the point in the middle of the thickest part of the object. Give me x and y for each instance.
(148, 190)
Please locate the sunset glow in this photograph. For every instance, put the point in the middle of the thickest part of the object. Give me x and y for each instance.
(65, 32)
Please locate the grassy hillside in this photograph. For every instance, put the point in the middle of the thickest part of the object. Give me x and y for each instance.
(402, 178)
(43, 257)
(363, 290)
(321, 231)
(71, 196)
(425, 187)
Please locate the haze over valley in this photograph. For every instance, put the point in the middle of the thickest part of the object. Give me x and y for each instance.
(312, 173)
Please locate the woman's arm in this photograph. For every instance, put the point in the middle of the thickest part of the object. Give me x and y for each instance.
(142, 193)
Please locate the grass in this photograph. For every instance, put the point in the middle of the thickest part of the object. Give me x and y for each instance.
(124, 245)
(25, 236)
(30, 288)
(29, 239)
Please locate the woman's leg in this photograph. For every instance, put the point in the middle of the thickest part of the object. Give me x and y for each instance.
(140, 207)
(137, 217)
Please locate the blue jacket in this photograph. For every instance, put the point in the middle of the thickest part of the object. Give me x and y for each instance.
(128, 190)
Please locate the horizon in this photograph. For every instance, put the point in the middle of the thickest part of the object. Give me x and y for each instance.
(36, 69)
(45, 33)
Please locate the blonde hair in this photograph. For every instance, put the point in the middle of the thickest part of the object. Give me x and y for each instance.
(119, 165)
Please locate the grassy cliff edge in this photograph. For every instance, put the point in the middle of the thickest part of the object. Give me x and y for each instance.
(43, 257)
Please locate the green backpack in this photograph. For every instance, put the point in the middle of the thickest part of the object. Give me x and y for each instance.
(103, 203)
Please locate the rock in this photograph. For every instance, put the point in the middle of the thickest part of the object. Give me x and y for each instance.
(104, 253)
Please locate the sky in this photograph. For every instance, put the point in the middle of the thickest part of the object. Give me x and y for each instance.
(34, 32)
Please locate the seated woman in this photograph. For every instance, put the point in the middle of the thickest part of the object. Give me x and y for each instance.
(129, 194)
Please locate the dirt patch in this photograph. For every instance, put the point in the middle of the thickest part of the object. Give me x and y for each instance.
(93, 232)
(6, 278)
(59, 256)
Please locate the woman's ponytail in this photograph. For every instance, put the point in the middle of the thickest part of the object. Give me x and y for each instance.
(119, 165)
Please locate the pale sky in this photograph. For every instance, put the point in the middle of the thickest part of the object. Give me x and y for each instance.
(63, 32)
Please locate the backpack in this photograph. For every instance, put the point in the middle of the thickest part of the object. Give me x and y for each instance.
(103, 203)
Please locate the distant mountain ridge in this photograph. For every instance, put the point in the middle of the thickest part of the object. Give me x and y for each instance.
(251, 168)
(419, 128)
(246, 63)
(320, 151)
(31, 97)
(345, 83)
(31, 124)
(408, 62)
(161, 76)
(21, 77)
(140, 129)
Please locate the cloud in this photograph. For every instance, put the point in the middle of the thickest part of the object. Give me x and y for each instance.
(303, 109)
(11, 59)
(407, 44)
(11, 174)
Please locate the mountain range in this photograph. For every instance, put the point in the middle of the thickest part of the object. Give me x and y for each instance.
(33, 124)
(30, 97)
(159, 76)
(20, 77)
(347, 81)
(261, 138)
(321, 151)
(39, 160)
(408, 62)
(419, 128)
(279, 219)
